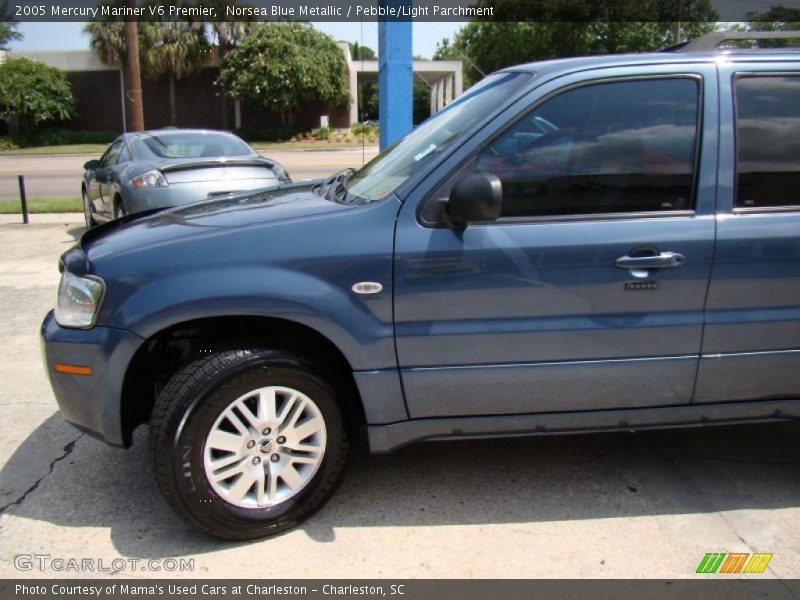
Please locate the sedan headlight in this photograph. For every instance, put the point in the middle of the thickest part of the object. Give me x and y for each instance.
(150, 179)
(79, 300)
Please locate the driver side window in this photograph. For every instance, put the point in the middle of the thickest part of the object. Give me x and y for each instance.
(616, 147)
(111, 155)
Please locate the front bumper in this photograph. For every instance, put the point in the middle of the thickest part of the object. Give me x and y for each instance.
(92, 403)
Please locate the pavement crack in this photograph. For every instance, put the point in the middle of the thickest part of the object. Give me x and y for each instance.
(720, 513)
(67, 451)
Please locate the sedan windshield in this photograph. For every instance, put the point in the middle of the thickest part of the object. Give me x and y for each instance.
(387, 171)
(195, 144)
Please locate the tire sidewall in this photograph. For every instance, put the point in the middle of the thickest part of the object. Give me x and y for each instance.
(189, 432)
(119, 208)
(87, 210)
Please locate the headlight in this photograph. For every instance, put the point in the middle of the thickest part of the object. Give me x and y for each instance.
(150, 179)
(78, 300)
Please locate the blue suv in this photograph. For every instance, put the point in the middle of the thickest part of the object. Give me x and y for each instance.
(594, 244)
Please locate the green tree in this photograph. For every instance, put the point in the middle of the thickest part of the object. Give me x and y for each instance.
(777, 18)
(280, 66)
(8, 29)
(421, 102)
(358, 52)
(226, 35)
(525, 32)
(107, 40)
(175, 49)
(34, 93)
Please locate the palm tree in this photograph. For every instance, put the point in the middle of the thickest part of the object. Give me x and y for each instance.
(175, 49)
(107, 39)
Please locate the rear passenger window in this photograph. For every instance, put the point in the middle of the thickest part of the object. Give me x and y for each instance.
(619, 147)
(768, 141)
(124, 155)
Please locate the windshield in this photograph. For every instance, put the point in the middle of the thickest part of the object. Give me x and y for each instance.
(195, 144)
(387, 171)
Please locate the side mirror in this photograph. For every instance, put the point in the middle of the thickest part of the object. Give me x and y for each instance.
(477, 197)
(91, 165)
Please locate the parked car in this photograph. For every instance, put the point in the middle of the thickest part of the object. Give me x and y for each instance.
(594, 244)
(171, 167)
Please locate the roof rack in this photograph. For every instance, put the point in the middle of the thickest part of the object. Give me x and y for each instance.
(711, 41)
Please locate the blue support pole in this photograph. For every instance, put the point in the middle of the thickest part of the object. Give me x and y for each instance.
(395, 77)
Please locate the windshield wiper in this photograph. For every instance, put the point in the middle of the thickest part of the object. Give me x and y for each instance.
(336, 184)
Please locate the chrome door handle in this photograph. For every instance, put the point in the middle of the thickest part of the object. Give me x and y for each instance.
(664, 260)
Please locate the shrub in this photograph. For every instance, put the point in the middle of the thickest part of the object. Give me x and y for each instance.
(6, 143)
(321, 133)
(55, 137)
(364, 129)
(34, 93)
(270, 134)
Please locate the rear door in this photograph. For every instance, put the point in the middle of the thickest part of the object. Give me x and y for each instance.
(105, 178)
(751, 347)
(95, 180)
(551, 308)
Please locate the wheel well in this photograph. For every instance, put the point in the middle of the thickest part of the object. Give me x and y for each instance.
(166, 352)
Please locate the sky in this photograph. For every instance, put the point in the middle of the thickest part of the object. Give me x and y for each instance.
(69, 36)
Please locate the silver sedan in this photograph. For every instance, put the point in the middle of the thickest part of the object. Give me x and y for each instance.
(159, 169)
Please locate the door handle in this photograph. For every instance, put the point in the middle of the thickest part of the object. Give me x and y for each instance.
(663, 260)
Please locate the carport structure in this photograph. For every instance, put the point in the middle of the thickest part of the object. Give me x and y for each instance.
(444, 77)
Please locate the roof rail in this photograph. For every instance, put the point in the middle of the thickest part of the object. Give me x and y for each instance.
(711, 41)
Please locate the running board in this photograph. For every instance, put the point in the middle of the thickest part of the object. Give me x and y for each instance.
(385, 438)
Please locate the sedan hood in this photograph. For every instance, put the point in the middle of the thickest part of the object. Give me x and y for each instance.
(289, 201)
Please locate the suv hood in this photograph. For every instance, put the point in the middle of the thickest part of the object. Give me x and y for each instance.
(272, 204)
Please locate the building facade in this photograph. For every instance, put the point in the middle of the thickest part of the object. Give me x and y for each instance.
(99, 94)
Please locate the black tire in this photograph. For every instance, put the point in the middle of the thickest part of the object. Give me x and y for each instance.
(88, 215)
(184, 414)
(119, 208)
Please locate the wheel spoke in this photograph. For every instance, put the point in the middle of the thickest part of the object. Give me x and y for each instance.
(291, 477)
(273, 488)
(288, 407)
(267, 409)
(225, 461)
(261, 498)
(307, 428)
(240, 425)
(303, 459)
(252, 420)
(306, 448)
(226, 470)
(242, 485)
(222, 440)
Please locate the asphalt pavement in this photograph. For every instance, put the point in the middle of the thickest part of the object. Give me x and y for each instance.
(60, 175)
(614, 505)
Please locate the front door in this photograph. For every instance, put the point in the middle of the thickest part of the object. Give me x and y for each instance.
(588, 292)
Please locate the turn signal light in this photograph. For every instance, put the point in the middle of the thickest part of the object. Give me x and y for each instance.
(73, 369)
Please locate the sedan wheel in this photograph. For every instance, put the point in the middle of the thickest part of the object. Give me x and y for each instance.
(87, 211)
(119, 209)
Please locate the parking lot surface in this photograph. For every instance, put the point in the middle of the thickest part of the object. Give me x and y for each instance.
(613, 505)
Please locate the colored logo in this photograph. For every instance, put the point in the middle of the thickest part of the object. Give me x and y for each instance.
(734, 562)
